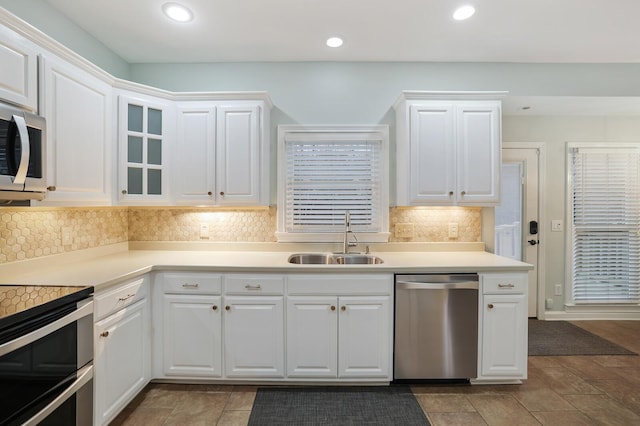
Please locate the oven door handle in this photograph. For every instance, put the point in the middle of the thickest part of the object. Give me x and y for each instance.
(85, 374)
(82, 311)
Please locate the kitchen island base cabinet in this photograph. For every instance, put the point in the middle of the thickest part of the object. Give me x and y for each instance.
(503, 337)
(122, 349)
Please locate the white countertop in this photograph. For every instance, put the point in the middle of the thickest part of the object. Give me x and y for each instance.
(107, 266)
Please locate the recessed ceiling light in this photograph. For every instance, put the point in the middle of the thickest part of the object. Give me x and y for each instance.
(177, 12)
(464, 12)
(334, 42)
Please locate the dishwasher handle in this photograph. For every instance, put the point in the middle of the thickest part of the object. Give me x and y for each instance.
(415, 285)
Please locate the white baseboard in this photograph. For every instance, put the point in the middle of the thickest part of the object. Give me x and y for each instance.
(577, 316)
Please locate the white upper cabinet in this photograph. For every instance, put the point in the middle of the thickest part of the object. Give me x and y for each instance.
(222, 153)
(79, 112)
(18, 70)
(448, 151)
(145, 129)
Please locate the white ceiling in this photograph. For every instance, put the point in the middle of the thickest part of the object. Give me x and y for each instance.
(605, 31)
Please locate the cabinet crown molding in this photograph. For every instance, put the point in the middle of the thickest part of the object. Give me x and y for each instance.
(435, 95)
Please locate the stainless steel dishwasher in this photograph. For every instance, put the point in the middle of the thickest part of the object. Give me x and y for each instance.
(436, 327)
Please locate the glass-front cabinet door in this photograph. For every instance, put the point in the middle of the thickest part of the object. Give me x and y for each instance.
(143, 140)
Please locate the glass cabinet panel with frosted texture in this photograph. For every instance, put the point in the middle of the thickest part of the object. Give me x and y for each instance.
(143, 145)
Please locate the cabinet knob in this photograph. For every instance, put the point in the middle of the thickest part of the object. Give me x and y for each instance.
(450, 193)
(124, 192)
(214, 307)
(227, 308)
(490, 306)
(222, 193)
(463, 193)
(105, 334)
(51, 188)
(209, 193)
(343, 308)
(333, 308)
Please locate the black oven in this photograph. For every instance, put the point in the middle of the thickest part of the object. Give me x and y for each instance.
(46, 355)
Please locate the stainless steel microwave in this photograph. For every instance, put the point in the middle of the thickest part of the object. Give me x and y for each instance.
(22, 155)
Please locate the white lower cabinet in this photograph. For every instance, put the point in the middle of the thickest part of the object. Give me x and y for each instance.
(254, 336)
(343, 334)
(503, 337)
(122, 348)
(192, 335)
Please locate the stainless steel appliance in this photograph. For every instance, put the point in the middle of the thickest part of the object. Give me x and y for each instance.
(46, 355)
(22, 155)
(436, 327)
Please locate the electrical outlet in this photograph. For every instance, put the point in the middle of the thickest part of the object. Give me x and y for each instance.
(556, 225)
(404, 230)
(204, 231)
(453, 230)
(66, 236)
(558, 290)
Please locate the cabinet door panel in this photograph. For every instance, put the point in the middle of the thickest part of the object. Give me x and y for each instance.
(479, 138)
(364, 337)
(504, 335)
(195, 155)
(192, 335)
(254, 336)
(19, 70)
(312, 337)
(121, 359)
(238, 155)
(78, 110)
(432, 153)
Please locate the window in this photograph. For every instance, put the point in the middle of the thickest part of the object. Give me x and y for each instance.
(605, 207)
(323, 172)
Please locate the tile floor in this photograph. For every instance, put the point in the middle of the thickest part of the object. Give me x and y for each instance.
(565, 391)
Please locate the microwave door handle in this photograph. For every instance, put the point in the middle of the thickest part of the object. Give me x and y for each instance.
(21, 174)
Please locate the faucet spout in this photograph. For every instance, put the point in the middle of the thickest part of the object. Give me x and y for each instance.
(347, 230)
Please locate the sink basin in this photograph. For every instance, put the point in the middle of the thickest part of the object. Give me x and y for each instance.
(357, 259)
(334, 259)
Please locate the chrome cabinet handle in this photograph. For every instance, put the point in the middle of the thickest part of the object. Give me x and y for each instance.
(129, 296)
(506, 285)
(188, 285)
(21, 174)
(253, 287)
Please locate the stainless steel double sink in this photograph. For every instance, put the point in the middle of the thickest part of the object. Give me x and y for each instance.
(334, 259)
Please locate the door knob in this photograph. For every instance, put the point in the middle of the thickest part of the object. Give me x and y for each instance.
(533, 242)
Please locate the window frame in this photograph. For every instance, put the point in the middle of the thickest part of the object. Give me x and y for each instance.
(374, 132)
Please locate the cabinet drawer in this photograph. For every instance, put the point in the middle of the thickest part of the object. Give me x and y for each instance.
(192, 283)
(254, 284)
(340, 284)
(117, 298)
(504, 283)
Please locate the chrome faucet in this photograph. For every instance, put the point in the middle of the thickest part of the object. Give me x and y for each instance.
(347, 230)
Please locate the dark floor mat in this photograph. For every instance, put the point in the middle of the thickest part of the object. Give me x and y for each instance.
(557, 338)
(361, 405)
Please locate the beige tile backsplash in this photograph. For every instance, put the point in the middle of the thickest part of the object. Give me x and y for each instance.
(27, 233)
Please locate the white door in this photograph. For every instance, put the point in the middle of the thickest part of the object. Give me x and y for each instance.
(192, 335)
(254, 336)
(312, 336)
(515, 236)
(364, 336)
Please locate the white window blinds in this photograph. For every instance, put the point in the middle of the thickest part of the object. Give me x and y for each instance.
(605, 229)
(326, 173)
